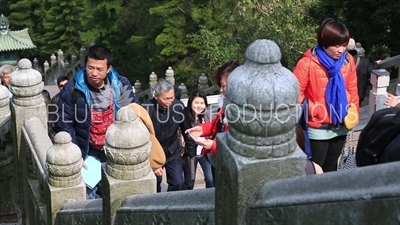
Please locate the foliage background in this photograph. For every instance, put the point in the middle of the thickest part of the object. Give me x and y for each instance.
(196, 36)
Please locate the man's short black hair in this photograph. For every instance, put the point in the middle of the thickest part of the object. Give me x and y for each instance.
(99, 52)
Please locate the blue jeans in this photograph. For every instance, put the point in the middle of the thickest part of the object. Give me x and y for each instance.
(205, 166)
(101, 156)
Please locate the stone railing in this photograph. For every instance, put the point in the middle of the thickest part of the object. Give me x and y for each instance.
(260, 170)
(380, 80)
(59, 67)
(202, 84)
(8, 204)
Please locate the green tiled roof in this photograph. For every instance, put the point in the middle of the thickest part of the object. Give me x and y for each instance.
(15, 40)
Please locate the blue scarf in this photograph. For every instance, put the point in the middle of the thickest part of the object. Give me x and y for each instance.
(335, 94)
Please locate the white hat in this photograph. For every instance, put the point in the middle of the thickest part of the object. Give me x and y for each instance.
(351, 45)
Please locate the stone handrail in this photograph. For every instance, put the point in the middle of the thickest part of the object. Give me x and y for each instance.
(60, 67)
(88, 212)
(393, 61)
(34, 145)
(168, 208)
(348, 197)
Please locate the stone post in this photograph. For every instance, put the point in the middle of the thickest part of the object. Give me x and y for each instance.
(64, 182)
(260, 145)
(127, 171)
(4, 120)
(35, 64)
(73, 59)
(26, 86)
(183, 89)
(53, 59)
(4, 103)
(138, 87)
(45, 66)
(203, 82)
(82, 51)
(380, 80)
(169, 75)
(152, 82)
(27, 100)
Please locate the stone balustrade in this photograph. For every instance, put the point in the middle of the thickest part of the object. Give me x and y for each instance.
(64, 163)
(260, 177)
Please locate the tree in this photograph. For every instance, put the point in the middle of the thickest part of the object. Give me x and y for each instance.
(29, 14)
(62, 25)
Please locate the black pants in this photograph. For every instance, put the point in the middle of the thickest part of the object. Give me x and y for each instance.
(326, 152)
(173, 169)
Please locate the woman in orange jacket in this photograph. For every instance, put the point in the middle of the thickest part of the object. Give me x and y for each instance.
(328, 80)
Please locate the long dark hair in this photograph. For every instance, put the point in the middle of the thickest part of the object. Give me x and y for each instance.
(192, 114)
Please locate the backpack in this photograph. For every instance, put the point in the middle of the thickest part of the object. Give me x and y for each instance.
(378, 134)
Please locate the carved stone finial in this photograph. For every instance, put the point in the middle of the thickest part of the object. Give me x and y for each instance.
(35, 63)
(4, 103)
(46, 65)
(127, 147)
(64, 162)
(183, 89)
(26, 85)
(203, 82)
(261, 104)
(53, 59)
(138, 87)
(73, 59)
(82, 51)
(153, 79)
(169, 75)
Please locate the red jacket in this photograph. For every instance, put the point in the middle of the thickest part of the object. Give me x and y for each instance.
(313, 79)
(211, 129)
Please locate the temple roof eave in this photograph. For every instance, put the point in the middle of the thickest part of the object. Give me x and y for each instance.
(16, 40)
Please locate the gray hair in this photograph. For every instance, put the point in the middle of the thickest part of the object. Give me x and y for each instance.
(6, 69)
(162, 86)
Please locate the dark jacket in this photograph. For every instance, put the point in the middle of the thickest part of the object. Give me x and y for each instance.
(74, 118)
(166, 123)
(364, 68)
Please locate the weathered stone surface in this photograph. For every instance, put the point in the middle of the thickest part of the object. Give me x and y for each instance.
(182, 207)
(26, 85)
(81, 212)
(127, 147)
(127, 171)
(260, 145)
(261, 104)
(4, 103)
(64, 162)
(368, 195)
